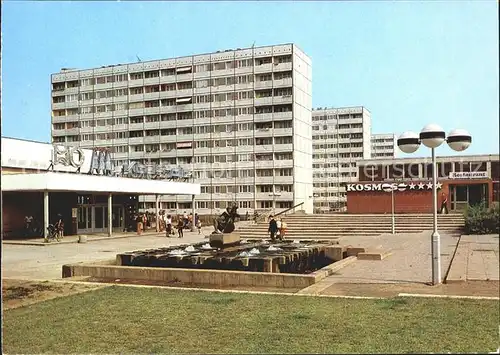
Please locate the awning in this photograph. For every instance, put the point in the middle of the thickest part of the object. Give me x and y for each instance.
(183, 69)
(183, 99)
(51, 181)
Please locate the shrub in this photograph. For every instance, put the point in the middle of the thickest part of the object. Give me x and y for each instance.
(480, 219)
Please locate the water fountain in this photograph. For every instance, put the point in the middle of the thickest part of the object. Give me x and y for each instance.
(251, 255)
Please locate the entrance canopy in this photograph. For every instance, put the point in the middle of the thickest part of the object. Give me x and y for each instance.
(62, 182)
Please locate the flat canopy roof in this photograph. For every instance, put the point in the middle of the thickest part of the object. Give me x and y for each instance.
(52, 181)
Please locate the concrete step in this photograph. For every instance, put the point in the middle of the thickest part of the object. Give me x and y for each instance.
(384, 220)
(347, 228)
(450, 215)
(381, 217)
(308, 225)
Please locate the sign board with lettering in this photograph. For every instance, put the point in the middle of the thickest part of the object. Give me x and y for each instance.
(389, 187)
(469, 175)
(154, 172)
(23, 154)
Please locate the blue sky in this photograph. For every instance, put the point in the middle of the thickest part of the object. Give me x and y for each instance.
(409, 63)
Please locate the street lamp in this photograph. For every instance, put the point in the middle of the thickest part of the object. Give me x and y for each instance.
(432, 136)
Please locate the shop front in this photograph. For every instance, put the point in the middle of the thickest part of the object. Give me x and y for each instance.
(406, 184)
(415, 196)
(70, 188)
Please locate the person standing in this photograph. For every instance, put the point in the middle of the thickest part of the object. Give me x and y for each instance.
(283, 229)
(168, 222)
(144, 222)
(59, 226)
(180, 226)
(444, 203)
(138, 221)
(273, 228)
(198, 222)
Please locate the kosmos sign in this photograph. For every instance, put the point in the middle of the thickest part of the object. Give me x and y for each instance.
(388, 187)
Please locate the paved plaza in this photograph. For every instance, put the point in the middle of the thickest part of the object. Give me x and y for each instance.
(45, 262)
(408, 267)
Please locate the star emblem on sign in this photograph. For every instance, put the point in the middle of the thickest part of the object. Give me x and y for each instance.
(439, 185)
(429, 186)
(421, 186)
(412, 186)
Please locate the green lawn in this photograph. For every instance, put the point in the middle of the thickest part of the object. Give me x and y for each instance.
(132, 320)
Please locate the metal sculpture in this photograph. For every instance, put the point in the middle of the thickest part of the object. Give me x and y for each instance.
(225, 222)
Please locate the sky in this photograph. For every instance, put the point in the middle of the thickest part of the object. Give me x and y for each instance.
(409, 63)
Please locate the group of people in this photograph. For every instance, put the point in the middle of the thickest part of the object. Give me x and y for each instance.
(32, 228)
(277, 228)
(171, 225)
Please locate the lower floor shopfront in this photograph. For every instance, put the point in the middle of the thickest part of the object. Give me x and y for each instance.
(416, 196)
(86, 204)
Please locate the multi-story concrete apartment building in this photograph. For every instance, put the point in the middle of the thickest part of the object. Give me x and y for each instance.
(239, 120)
(384, 146)
(341, 137)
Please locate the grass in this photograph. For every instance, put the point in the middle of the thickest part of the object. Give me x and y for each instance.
(137, 320)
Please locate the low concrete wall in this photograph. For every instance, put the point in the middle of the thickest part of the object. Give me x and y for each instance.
(190, 276)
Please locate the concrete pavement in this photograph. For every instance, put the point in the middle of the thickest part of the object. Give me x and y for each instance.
(476, 259)
(33, 261)
(410, 261)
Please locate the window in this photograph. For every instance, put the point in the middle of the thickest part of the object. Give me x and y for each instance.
(87, 82)
(135, 76)
(87, 96)
(136, 91)
(201, 83)
(284, 172)
(151, 74)
(58, 99)
(136, 105)
(152, 88)
(86, 109)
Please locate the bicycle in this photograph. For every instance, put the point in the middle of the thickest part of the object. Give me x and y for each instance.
(52, 233)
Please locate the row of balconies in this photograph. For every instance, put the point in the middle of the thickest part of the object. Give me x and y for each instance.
(260, 69)
(257, 117)
(272, 132)
(263, 101)
(168, 94)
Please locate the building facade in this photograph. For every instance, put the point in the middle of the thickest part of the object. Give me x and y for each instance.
(43, 181)
(341, 137)
(464, 181)
(384, 146)
(238, 120)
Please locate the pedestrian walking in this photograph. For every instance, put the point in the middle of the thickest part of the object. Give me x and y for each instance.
(273, 228)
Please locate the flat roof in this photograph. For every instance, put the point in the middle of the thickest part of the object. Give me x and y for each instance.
(440, 159)
(66, 182)
(221, 51)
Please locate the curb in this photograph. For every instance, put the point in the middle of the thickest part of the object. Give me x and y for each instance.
(89, 240)
(104, 284)
(423, 295)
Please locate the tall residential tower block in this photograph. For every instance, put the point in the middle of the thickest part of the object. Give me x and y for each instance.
(238, 120)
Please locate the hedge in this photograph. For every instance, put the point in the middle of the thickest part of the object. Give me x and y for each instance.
(480, 219)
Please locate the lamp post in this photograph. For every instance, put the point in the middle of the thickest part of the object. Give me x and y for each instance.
(432, 136)
(393, 217)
